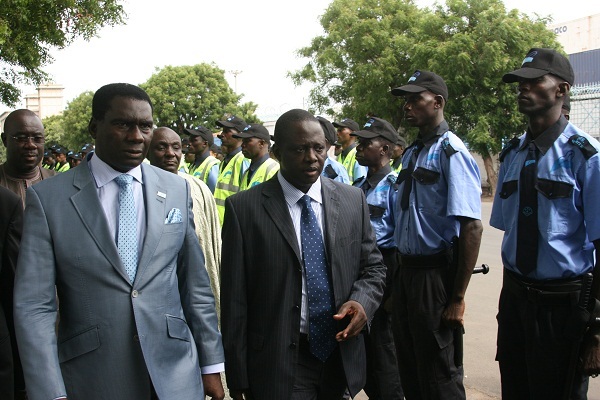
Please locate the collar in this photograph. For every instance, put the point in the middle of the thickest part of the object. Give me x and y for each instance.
(229, 156)
(292, 194)
(437, 132)
(348, 150)
(257, 162)
(379, 175)
(203, 156)
(104, 173)
(547, 138)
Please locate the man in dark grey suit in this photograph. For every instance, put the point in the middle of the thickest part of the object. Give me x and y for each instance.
(137, 314)
(11, 220)
(276, 347)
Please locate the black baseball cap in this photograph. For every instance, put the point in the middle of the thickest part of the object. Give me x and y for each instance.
(328, 129)
(377, 127)
(421, 81)
(401, 141)
(60, 150)
(254, 130)
(73, 155)
(539, 62)
(86, 148)
(201, 131)
(347, 123)
(233, 122)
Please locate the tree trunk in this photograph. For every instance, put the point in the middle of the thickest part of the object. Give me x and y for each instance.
(492, 175)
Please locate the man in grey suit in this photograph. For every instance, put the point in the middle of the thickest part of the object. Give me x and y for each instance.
(137, 315)
(277, 344)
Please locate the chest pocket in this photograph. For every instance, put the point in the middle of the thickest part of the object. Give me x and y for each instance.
(554, 189)
(376, 212)
(426, 176)
(508, 188)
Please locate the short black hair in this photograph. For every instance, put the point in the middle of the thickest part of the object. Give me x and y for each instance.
(104, 95)
(289, 118)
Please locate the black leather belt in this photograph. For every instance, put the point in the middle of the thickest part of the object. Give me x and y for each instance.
(431, 261)
(550, 292)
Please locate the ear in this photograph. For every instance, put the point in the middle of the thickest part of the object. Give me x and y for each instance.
(563, 89)
(438, 101)
(92, 126)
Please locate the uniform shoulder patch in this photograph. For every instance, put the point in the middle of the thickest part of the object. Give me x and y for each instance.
(584, 145)
(391, 178)
(330, 172)
(357, 181)
(447, 147)
(512, 144)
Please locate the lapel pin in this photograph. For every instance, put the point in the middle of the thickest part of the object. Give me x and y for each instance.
(161, 194)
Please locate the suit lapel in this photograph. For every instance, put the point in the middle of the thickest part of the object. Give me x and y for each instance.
(155, 198)
(275, 205)
(331, 207)
(90, 211)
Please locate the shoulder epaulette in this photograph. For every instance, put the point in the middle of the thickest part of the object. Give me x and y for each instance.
(358, 180)
(330, 172)
(584, 145)
(391, 178)
(447, 147)
(512, 144)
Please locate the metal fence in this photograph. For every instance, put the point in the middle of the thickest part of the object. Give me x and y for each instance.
(585, 108)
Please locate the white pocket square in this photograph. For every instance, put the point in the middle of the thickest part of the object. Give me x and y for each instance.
(174, 216)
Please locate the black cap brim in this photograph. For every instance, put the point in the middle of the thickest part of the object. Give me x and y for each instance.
(365, 134)
(226, 124)
(523, 73)
(243, 135)
(406, 89)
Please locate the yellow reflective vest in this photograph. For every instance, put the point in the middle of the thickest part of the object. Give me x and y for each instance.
(265, 171)
(228, 182)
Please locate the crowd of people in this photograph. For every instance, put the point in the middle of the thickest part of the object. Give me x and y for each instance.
(326, 259)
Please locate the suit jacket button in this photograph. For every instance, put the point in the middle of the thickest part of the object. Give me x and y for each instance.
(134, 293)
(136, 338)
(292, 345)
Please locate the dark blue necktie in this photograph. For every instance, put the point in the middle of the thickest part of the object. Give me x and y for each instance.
(322, 327)
(408, 183)
(527, 226)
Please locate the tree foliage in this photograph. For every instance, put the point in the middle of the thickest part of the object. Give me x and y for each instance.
(371, 46)
(29, 29)
(188, 96)
(70, 129)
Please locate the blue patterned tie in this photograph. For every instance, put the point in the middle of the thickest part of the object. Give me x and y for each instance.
(127, 231)
(322, 327)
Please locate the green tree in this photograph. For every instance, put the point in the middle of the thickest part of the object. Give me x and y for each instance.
(70, 129)
(29, 29)
(53, 128)
(371, 46)
(188, 96)
(76, 118)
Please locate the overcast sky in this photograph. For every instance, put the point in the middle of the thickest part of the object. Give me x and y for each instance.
(256, 38)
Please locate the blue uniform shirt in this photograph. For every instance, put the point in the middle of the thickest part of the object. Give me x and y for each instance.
(380, 206)
(338, 169)
(568, 201)
(445, 187)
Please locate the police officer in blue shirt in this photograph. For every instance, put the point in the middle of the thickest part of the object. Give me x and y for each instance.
(332, 169)
(547, 204)
(375, 143)
(438, 233)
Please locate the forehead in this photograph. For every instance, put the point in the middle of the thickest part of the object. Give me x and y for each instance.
(165, 136)
(128, 107)
(304, 133)
(24, 123)
(424, 95)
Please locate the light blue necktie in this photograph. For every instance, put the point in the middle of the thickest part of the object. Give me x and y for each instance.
(322, 327)
(127, 231)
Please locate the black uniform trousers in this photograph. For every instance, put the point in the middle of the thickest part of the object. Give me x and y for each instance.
(533, 346)
(424, 345)
(383, 377)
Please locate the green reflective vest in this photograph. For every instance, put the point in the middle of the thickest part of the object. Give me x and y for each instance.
(204, 169)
